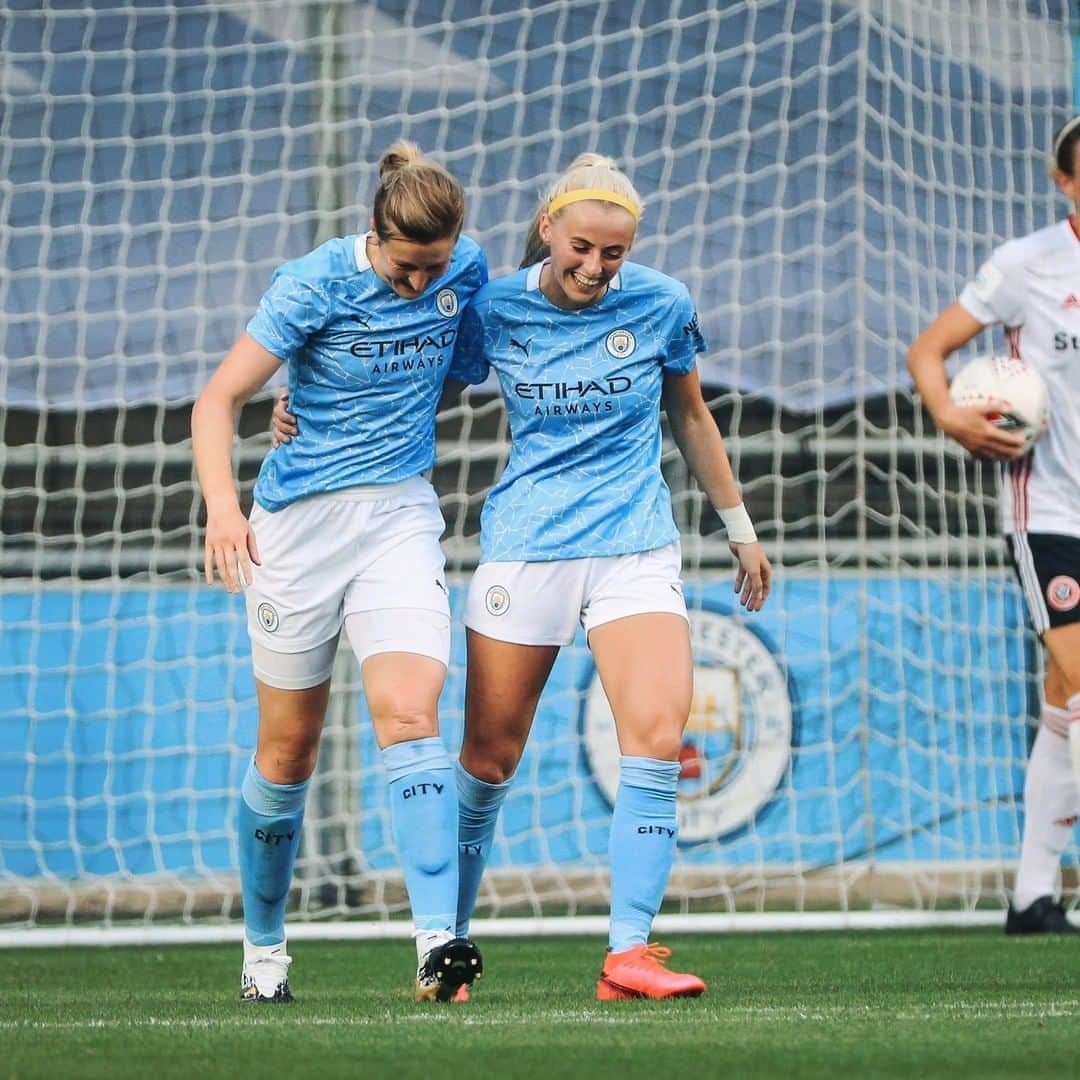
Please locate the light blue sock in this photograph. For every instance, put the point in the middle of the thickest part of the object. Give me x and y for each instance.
(478, 809)
(423, 815)
(269, 823)
(642, 847)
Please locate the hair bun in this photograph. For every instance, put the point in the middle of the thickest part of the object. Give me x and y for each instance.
(401, 155)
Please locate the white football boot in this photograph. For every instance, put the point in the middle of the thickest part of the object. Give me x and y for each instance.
(265, 977)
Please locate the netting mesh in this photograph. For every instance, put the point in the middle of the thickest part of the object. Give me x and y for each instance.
(822, 175)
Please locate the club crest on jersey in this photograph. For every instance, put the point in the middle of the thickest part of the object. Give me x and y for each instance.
(447, 303)
(620, 343)
(268, 618)
(1063, 593)
(497, 600)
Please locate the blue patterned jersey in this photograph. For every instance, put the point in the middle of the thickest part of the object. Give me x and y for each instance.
(582, 391)
(366, 367)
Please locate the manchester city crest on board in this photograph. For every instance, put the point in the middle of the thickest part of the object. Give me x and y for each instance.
(447, 302)
(620, 343)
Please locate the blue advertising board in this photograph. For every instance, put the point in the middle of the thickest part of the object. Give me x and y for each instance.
(852, 719)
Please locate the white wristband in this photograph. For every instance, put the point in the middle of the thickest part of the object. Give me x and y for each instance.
(740, 529)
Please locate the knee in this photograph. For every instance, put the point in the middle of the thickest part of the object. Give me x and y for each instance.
(493, 762)
(287, 760)
(659, 737)
(660, 749)
(399, 721)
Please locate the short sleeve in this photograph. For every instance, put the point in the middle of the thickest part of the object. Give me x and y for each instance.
(469, 363)
(995, 295)
(289, 312)
(686, 339)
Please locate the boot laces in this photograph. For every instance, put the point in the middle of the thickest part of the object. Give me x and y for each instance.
(657, 953)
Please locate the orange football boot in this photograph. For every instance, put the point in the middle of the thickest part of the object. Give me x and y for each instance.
(461, 995)
(640, 973)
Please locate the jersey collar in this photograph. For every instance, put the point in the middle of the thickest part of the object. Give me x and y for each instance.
(360, 253)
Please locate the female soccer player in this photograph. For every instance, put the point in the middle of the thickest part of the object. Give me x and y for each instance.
(587, 346)
(345, 532)
(1031, 286)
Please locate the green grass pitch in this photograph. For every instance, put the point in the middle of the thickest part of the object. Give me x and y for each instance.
(873, 1004)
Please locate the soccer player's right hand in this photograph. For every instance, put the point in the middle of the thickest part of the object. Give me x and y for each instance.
(283, 424)
(230, 549)
(972, 428)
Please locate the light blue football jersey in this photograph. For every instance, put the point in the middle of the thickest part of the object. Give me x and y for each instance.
(582, 391)
(366, 367)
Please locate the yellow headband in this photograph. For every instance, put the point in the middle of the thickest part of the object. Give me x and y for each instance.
(582, 194)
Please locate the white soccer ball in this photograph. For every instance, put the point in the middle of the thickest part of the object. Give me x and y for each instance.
(1007, 381)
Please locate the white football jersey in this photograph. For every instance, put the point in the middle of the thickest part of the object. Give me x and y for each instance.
(1031, 286)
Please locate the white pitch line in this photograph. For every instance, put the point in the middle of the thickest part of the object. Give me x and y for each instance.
(1020, 1010)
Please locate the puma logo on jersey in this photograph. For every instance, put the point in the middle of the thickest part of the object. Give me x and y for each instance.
(523, 346)
(1071, 302)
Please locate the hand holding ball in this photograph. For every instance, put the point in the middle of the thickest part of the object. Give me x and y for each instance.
(1016, 390)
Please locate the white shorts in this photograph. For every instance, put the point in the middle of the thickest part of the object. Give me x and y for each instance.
(347, 558)
(542, 603)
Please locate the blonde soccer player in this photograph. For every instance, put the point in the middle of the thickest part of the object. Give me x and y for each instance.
(587, 347)
(1031, 287)
(344, 534)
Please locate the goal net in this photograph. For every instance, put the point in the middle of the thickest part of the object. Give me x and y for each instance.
(823, 175)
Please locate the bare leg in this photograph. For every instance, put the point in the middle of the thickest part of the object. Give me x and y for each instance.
(502, 691)
(646, 668)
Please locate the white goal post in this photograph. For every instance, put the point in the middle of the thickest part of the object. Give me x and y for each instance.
(823, 175)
